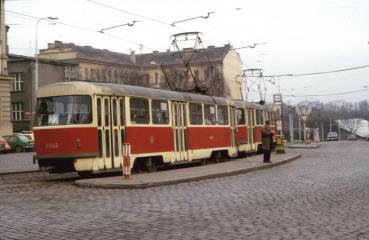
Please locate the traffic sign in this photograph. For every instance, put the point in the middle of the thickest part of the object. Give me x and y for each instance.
(303, 109)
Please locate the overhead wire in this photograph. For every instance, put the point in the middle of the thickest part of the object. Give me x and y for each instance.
(82, 28)
(331, 94)
(317, 73)
(132, 13)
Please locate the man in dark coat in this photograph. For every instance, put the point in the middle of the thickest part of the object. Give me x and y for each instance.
(267, 141)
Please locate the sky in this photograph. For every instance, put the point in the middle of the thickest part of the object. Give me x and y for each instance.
(300, 36)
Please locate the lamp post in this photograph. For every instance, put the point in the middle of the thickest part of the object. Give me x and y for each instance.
(36, 49)
(36, 58)
(157, 81)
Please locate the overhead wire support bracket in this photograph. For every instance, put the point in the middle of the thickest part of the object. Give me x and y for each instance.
(250, 46)
(189, 19)
(121, 25)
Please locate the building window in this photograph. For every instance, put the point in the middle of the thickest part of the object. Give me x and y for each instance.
(196, 74)
(17, 82)
(17, 111)
(146, 80)
(86, 74)
(70, 73)
(98, 74)
(157, 80)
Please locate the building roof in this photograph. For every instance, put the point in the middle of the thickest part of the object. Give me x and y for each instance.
(19, 58)
(94, 54)
(210, 54)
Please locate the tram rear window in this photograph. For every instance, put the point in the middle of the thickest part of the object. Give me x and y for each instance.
(63, 110)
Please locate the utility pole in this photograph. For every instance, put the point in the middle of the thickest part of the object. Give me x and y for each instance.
(290, 116)
(322, 131)
(300, 128)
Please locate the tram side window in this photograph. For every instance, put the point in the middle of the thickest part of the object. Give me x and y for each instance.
(121, 107)
(195, 113)
(240, 113)
(258, 119)
(272, 121)
(261, 117)
(115, 116)
(210, 117)
(139, 111)
(99, 111)
(222, 115)
(159, 112)
(106, 111)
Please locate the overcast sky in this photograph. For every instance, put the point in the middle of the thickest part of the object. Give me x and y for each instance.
(301, 36)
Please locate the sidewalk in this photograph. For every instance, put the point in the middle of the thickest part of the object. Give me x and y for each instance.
(12, 163)
(228, 168)
(304, 145)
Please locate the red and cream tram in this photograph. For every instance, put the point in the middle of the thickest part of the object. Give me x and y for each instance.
(81, 126)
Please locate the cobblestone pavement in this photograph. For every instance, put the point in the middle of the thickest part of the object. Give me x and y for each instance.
(323, 195)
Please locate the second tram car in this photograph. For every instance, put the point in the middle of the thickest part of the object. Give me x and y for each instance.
(81, 126)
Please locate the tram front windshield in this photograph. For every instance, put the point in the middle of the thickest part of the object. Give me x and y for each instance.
(63, 110)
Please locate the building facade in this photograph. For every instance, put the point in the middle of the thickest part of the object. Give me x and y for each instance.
(22, 90)
(214, 69)
(5, 123)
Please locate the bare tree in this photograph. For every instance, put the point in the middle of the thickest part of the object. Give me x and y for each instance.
(351, 125)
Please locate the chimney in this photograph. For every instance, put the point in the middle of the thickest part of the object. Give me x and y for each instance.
(133, 57)
(58, 44)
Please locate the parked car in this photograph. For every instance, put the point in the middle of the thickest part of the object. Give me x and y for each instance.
(19, 143)
(28, 134)
(332, 136)
(4, 146)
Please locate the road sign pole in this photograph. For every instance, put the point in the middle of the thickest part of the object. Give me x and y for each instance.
(126, 160)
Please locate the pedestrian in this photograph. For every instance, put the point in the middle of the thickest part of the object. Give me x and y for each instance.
(267, 141)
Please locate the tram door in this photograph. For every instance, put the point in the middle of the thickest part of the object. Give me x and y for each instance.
(110, 127)
(250, 128)
(179, 131)
(234, 142)
(117, 130)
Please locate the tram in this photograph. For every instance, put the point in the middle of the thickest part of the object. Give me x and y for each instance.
(81, 126)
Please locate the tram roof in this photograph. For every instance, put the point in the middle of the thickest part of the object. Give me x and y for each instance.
(97, 88)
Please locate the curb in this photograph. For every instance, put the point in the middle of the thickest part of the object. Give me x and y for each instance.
(143, 185)
(19, 172)
(304, 147)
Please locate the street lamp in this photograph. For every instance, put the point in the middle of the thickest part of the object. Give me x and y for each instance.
(157, 80)
(36, 56)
